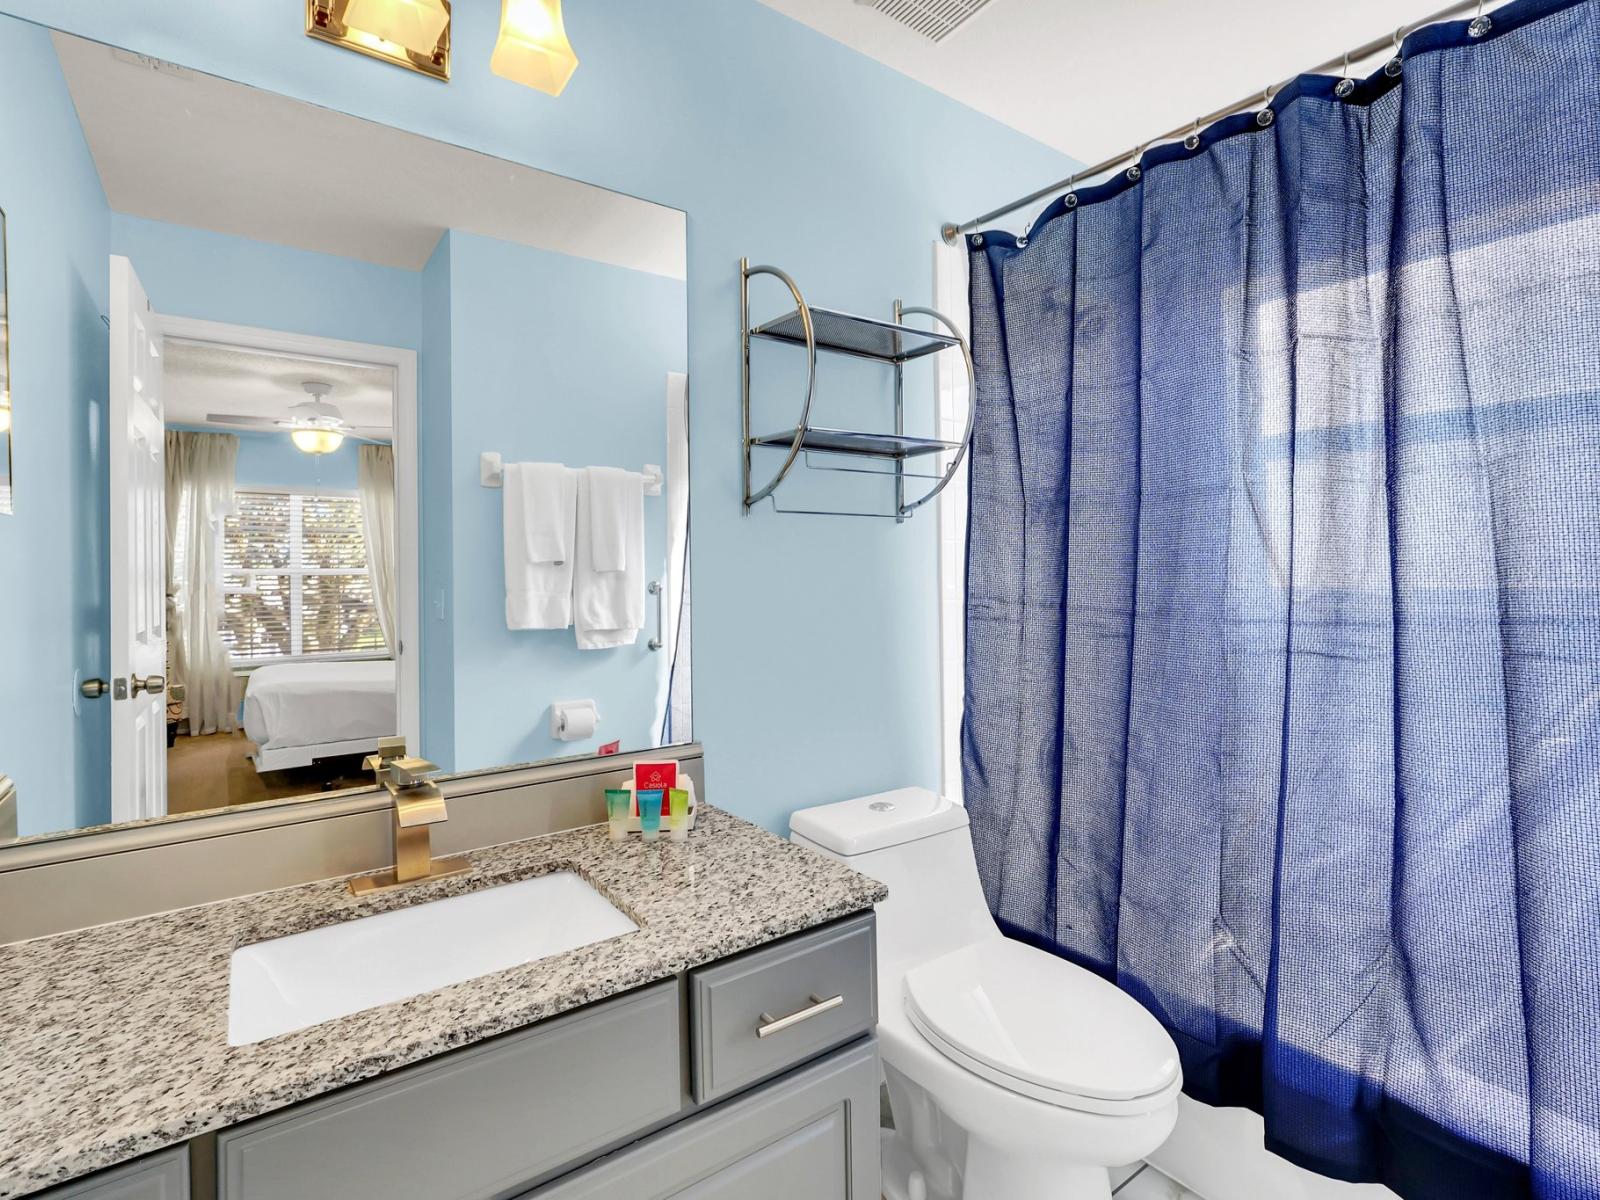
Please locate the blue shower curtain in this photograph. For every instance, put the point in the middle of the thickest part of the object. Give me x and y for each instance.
(1283, 611)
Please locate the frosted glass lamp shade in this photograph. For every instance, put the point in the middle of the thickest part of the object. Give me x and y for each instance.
(317, 441)
(533, 49)
(413, 25)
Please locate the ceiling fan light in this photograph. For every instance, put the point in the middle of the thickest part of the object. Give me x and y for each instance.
(317, 441)
(413, 25)
(532, 48)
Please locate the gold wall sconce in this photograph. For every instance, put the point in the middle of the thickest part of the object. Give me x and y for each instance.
(414, 34)
(533, 49)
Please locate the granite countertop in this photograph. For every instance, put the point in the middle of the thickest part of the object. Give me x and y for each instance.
(114, 1040)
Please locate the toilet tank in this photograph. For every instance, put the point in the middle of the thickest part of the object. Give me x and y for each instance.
(917, 842)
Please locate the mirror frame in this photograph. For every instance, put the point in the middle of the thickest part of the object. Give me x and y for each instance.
(8, 497)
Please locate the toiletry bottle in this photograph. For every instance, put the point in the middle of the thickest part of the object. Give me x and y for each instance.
(650, 813)
(619, 803)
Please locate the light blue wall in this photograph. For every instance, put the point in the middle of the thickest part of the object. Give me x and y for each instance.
(556, 359)
(270, 460)
(216, 277)
(53, 619)
(815, 637)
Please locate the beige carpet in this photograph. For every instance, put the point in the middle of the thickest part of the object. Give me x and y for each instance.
(215, 771)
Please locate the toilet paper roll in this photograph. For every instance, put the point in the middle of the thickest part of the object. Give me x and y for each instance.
(574, 720)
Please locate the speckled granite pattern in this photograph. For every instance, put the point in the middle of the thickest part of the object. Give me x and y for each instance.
(113, 1040)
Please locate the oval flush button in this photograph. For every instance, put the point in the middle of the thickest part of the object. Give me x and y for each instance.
(882, 806)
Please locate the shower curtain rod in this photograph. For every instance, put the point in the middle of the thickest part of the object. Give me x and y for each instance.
(952, 233)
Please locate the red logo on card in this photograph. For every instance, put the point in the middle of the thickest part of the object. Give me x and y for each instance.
(655, 775)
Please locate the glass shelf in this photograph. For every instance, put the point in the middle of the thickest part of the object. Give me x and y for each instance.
(890, 456)
(863, 337)
(865, 445)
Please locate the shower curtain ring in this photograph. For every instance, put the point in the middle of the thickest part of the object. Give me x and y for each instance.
(1265, 116)
(1480, 24)
(1346, 85)
(1134, 172)
(1192, 142)
(1392, 67)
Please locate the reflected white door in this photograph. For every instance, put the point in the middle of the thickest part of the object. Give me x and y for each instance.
(138, 554)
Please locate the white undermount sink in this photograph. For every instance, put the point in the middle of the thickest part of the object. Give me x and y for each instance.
(295, 982)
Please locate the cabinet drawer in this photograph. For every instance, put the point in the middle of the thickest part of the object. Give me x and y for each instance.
(482, 1122)
(163, 1176)
(762, 1012)
(812, 1135)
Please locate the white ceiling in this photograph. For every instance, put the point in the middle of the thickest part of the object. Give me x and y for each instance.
(192, 149)
(201, 378)
(1093, 78)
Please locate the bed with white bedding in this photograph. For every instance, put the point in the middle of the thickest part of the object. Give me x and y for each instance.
(299, 712)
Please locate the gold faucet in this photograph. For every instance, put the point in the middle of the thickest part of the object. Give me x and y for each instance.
(418, 803)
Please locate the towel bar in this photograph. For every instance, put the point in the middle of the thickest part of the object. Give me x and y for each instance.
(491, 474)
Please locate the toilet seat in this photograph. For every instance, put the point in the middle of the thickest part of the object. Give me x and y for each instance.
(1039, 1026)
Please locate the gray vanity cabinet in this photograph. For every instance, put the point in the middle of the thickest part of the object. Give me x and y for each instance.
(163, 1176)
(766, 1087)
(811, 1135)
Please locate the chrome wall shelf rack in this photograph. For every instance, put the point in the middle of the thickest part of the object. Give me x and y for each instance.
(822, 330)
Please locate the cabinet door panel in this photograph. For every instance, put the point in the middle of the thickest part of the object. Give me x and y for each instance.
(163, 1176)
(808, 1164)
(480, 1123)
(809, 1135)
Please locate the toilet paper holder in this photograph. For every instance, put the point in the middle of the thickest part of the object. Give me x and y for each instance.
(574, 720)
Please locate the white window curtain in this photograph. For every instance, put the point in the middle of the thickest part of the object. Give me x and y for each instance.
(950, 298)
(199, 498)
(375, 484)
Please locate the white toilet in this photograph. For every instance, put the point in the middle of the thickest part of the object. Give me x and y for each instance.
(1013, 1074)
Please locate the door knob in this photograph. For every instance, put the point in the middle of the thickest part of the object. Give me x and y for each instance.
(93, 689)
(154, 684)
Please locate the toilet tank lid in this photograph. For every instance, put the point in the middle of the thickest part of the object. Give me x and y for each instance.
(873, 822)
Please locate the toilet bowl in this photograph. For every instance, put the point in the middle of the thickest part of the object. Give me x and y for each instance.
(1012, 1074)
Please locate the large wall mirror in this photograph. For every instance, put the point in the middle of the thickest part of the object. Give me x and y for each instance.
(253, 355)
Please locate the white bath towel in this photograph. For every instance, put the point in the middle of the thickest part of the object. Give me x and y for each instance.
(608, 605)
(612, 503)
(540, 541)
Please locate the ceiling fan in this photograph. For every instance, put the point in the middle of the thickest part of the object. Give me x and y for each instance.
(315, 426)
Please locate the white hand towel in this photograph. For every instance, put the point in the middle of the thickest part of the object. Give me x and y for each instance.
(540, 519)
(549, 494)
(608, 606)
(614, 497)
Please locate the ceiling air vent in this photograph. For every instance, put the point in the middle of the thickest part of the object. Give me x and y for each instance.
(933, 19)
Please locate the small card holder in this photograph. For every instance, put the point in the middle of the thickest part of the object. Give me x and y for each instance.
(686, 783)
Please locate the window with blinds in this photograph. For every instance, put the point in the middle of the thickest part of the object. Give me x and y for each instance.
(295, 579)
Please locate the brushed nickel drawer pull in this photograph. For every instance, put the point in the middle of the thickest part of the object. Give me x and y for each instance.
(771, 1024)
